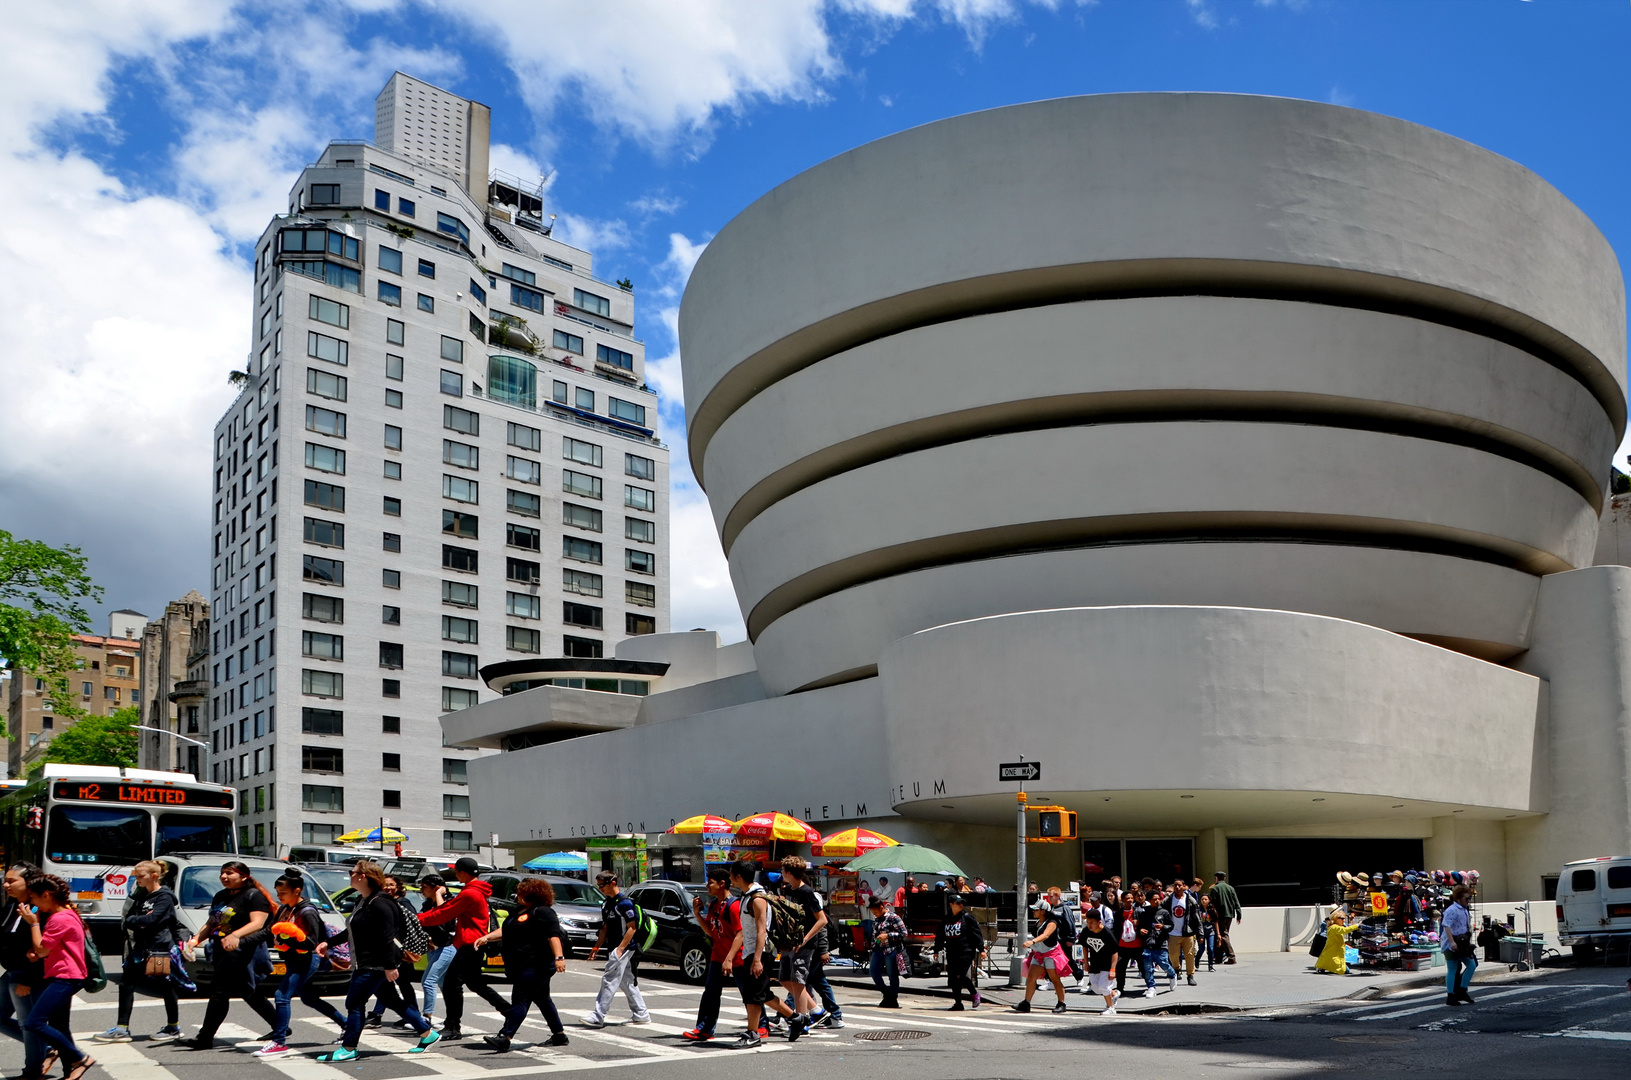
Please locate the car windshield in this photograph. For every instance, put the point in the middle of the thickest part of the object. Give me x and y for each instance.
(199, 884)
(576, 892)
(98, 834)
(332, 878)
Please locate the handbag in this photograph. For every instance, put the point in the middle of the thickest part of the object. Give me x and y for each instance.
(96, 974)
(1317, 946)
(903, 963)
(158, 967)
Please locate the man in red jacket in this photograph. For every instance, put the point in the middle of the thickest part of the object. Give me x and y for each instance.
(469, 908)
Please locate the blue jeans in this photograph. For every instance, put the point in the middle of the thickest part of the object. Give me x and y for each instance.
(49, 1018)
(437, 961)
(821, 988)
(1458, 973)
(15, 1007)
(364, 985)
(1148, 962)
(883, 960)
(297, 984)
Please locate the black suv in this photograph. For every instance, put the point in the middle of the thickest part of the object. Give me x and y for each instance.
(681, 939)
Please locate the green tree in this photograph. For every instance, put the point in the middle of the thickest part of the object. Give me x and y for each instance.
(42, 590)
(96, 740)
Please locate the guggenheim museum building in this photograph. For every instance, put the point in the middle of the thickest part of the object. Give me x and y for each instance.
(1240, 460)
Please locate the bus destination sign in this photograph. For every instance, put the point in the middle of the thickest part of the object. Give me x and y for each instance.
(149, 794)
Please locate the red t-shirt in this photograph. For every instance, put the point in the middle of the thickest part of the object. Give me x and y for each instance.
(900, 901)
(65, 935)
(724, 921)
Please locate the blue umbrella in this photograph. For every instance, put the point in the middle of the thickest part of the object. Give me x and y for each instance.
(559, 861)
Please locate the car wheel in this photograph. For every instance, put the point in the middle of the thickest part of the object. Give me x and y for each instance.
(694, 960)
(1584, 954)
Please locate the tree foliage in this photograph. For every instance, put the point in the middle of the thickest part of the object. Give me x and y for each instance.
(42, 595)
(97, 740)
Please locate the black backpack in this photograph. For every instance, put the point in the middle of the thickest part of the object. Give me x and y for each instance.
(1067, 929)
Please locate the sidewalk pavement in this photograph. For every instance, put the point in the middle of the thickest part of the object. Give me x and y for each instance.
(1257, 981)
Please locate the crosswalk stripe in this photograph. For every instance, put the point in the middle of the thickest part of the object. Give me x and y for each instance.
(125, 1061)
(1441, 1005)
(643, 1046)
(1393, 1002)
(1610, 1036)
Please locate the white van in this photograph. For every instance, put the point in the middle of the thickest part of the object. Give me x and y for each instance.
(1594, 902)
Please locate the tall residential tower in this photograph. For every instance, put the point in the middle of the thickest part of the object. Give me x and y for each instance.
(447, 436)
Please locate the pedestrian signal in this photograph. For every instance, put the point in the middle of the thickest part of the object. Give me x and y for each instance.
(1056, 824)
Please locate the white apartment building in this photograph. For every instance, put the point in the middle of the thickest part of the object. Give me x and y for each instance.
(447, 436)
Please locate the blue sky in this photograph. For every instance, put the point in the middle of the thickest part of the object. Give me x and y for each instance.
(150, 142)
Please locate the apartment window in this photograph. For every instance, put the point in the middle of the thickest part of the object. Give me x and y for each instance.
(457, 841)
(461, 420)
(395, 332)
(382, 201)
(455, 698)
(327, 533)
(582, 615)
(391, 579)
(577, 483)
(580, 517)
(452, 383)
(324, 571)
(641, 468)
(643, 531)
(460, 454)
(393, 399)
(390, 259)
(521, 605)
(582, 582)
(322, 646)
(328, 459)
(572, 343)
(330, 684)
(452, 226)
(320, 834)
(325, 421)
(325, 195)
(327, 496)
(390, 688)
(393, 367)
(390, 616)
(329, 311)
(390, 294)
(523, 470)
(581, 648)
(616, 358)
(393, 506)
(322, 721)
(640, 562)
(390, 762)
(390, 655)
(523, 570)
(428, 303)
(326, 385)
(391, 800)
(573, 547)
(522, 537)
(390, 725)
(520, 639)
(640, 594)
(459, 594)
(321, 797)
(588, 301)
(427, 268)
(393, 470)
(585, 399)
(478, 292)
(393, 542)
(452, 349)
(453, 771)
(318, 608)
(523, 297)
(626, 410)
(635, 625)
(523, 437)
(456, 807)
(459, 665)
(322, 759)
(466, 526)
(638, 498)
(460, 489)
(458, 558)
(323, 347)
(584, 453)
(524, 503)
(559, 392)
(464, 631)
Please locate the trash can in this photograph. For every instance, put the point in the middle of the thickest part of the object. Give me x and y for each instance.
(1518, 948)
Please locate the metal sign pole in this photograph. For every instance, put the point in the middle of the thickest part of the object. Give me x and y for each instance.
(1021, 916)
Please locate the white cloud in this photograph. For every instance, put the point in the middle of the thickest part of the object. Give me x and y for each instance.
(1202, 13)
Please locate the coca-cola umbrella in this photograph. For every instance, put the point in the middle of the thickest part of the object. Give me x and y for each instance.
(702, 823)
(774, 825)
(850, 843)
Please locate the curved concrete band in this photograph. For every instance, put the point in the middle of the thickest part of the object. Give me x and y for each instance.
(1146, 194)
(1195, 699)
(1122, 361)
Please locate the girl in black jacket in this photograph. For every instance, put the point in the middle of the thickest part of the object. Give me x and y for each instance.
(964, 944)
(534, 952)
(23, 977)
(375, 932)
(294, 931)
(149, 923)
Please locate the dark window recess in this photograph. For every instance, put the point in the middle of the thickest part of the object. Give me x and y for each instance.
(585, 648)
(391, 725)
(393, 541)
(521, 570)
(322, 721)
(390, 655)
(634, 625)
(327, 571)
(390, 799)
(581, 615)
(521, 536)
(458, 558)
(391, 688)
(1619, 877)
(327, 759)
(1583, 881)
(467, 526)
(391, 762)
(459, 665)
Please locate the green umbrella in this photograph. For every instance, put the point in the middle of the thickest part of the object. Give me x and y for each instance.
(905, 859)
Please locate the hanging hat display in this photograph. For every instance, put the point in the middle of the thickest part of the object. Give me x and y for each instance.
(1344, 878)
(1362, 878)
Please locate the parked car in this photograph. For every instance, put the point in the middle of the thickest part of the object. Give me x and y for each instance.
(333, 879)
(1594, 903)
(681, 939)
(196, 879)
(577, 904)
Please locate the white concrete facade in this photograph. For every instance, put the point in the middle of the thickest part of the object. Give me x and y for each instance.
(1240, 458)
(450, 410)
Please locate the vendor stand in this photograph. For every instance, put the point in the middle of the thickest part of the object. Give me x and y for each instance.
(1394, 918)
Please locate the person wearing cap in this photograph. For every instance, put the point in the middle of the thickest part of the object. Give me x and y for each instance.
(468, 913)
(1043, 954)
(960, 938)
(1226, 910)
(888, 941)
(1099, 950)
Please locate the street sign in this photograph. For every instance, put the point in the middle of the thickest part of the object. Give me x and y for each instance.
(1020, 770)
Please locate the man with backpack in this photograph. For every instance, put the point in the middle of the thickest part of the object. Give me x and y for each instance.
(623, 921)
(755, 949)
(797, 961)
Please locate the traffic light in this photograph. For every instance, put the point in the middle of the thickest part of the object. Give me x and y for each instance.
(1055, 823)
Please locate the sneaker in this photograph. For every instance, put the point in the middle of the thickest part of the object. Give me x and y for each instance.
(169, 1033)
(593, 1022)
(497, 1042)
(956, 1006)
(974, 1001)
(272, 1049)
(114, 1034)
(795, 1027)
(1451, 999)
(821, 1020)
(427, 1040)
(835, 1023)
(646, 1019)
(344, 1053)
(452, 1034)
(1151, 992)
(1114, 995)
(1111, 1011)
(696, 1035)
(1024, 1006)
(748, 1040)
(763, 1032)
(374, 1020)
(889, 1003)
(1172, 983)
(1061, 1007)
(1192, 980)
(558, 1039)
(195, 1043)
(407, 1024)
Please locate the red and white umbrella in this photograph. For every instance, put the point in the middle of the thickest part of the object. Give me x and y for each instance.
(774, 825)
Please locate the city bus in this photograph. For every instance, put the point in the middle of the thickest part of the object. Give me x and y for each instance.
(89, 824)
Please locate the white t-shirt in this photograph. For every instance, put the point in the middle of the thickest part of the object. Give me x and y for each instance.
(1180, 908)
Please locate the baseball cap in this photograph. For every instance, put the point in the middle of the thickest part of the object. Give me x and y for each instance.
(1042, 904)
(466, 865)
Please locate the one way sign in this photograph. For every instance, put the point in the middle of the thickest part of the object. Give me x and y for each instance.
(1020, 770)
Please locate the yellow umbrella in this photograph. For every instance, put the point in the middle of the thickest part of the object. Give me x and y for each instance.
(775, 825)
(852, 842)
(372, 836)
(702, 823)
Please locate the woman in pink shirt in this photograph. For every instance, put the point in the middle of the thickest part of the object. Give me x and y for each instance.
(61, 944)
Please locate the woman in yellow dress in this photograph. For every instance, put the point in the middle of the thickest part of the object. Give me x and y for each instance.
(1332, 959)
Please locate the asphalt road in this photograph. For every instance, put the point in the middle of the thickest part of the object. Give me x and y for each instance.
(1574, 1024)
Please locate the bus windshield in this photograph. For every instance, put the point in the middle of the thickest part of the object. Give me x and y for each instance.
(194, 832)
(98, 834)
